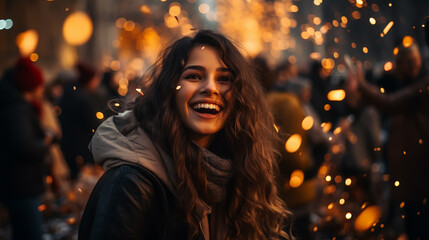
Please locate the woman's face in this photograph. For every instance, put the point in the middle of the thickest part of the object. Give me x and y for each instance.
(203, 94)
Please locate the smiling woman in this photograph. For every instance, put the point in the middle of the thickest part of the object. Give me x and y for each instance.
(195, 158)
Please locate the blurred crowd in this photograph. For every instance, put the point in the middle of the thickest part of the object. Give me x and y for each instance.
(353, 155)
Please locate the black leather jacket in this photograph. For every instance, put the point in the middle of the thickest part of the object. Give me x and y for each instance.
(129, 202)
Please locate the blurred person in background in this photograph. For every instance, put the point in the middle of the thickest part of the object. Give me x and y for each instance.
(407, 145)
(23, 149)
(78, 117)
(195, 159)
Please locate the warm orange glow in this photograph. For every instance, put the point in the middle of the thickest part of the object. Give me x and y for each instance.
(27, 42)
(395, 51)
(71, 220)
(372, 21)
(293, 143)
(170, 21)
(275, 126)
(77, 28)
(342, 201)
(42, 208)
(336, 95)
(348, 215)
(388, 66)
(129, 26)
(34, 57)
(328, 63)
(365, 50)
(397, 183)
(348, 182)
(328, 178)
(330, 206)
(115, 65)
(174, 9)
(407, 41)
(307, 123)
(296, 178)
(387, 28)
(145, 9)
(317, 21)
(49, 179)
(356, 14)
(293, 8)
(337, 130)
(367, 218)
(326, 126)
(99, 115)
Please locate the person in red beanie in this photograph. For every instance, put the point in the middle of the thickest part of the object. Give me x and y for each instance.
(24, 146)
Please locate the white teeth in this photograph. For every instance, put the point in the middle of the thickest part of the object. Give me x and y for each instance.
(207, 106)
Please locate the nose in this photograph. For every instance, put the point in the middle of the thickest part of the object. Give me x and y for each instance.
(209, 85)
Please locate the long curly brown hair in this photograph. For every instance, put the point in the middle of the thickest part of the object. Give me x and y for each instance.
(254, 209)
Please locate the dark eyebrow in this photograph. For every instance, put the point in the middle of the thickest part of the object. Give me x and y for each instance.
(201, 68)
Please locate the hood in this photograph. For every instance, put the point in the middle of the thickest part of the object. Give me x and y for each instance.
(119, 140)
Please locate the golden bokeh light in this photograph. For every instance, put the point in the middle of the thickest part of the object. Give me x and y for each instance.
(387, 28)
(328, 178)
(293, 143)
(348, 182)
(34, 57)
(348, 215)
(365, 50)
(145, 9)
(396, 183)
(367, 218)
(296, 178)
(372, 21)
(407, 41)
(330, 206)
(336, 95)
(388, 66)
(77, 28)
(99, 115)
(328, 63)
(307, 123)
(27, 42)
(174, 9)
(395, 51)
(342, 201)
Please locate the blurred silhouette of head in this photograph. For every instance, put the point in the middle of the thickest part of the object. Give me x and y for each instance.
(27, 76)
(87, 76)
(408, 62)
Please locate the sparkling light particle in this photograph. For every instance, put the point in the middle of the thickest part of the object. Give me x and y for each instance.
(342, 201)
(348, 182)
(77, 28)
(293, 143)
(307, 123)
(365, 49)
(27, 42)
(367, 218)
(296, 178)
(407, 41)
(34, 57)
(99, 115)
(348, 215)
(336, 95)
(388, 66)
(387, 28)
(397, 183)
(328, 178)
(372, 21)
(382, 90)
(330, 206)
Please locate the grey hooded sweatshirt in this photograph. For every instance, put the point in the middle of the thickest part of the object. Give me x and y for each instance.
(119, 140)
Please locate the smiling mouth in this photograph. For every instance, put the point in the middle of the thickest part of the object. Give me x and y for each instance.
(207, 108)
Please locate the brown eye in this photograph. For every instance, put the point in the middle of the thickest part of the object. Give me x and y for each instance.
(193, 77)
